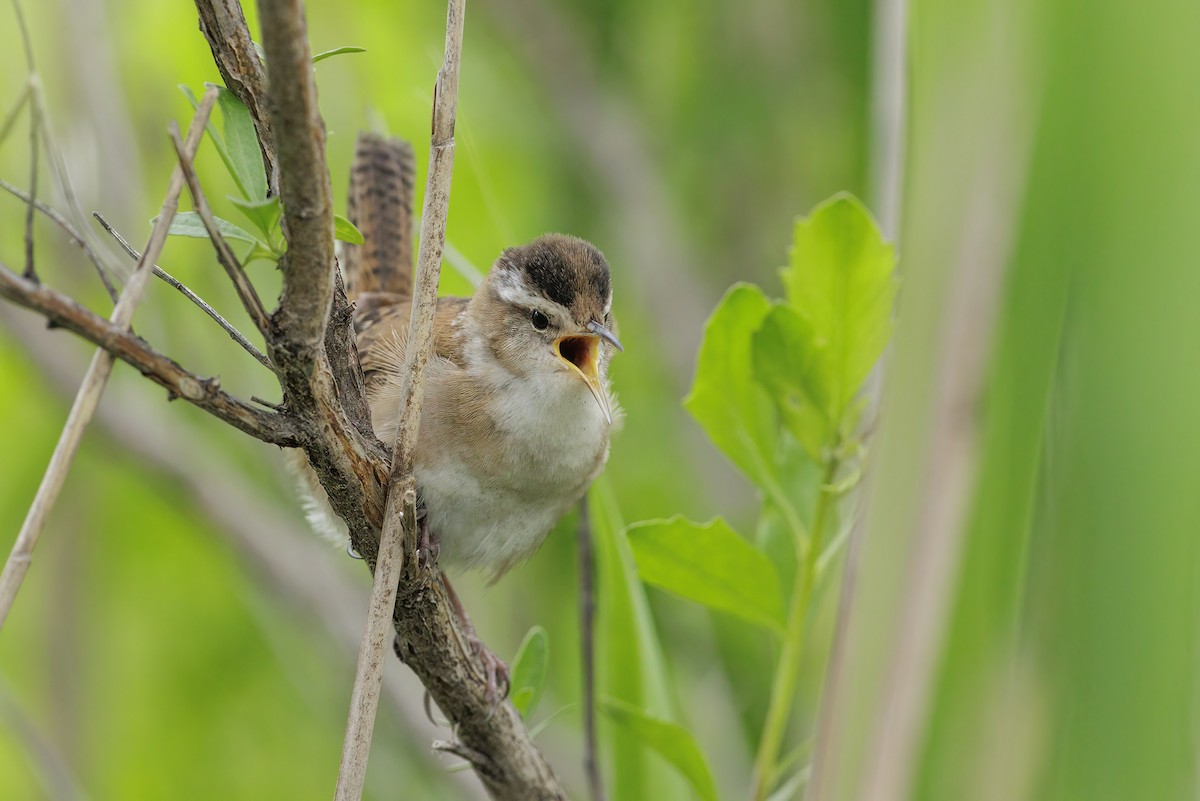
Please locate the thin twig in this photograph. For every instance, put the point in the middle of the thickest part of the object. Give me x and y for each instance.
(93, 385)
(75, 237)
(34, 125)
(233, 268)
(399, 536)
(587, 641)
(34, 120)
(159, 272)
(43, 759)
(15, 113)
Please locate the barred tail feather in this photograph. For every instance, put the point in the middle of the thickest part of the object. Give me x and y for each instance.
(381, 207)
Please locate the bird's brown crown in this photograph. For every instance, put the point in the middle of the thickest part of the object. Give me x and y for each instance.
(563, 269)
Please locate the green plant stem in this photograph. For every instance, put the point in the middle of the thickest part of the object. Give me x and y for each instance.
(783, 687)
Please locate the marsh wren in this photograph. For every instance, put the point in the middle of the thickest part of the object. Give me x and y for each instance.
(517, 411)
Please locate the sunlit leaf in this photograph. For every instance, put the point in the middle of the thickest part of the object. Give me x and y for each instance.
(788, 363)
(245, 159)
(725, 399)
(840, 280)
(527, 677)
(711, 564)
(670, 740)
(188, 223)
(344, 230)
(263, 213)
(337, 51)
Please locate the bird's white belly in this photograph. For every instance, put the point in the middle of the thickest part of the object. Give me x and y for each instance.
(492, 510)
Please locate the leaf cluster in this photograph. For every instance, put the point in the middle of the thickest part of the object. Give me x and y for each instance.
(778, 382)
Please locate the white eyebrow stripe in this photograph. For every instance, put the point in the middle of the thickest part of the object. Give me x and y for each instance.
(511, 287)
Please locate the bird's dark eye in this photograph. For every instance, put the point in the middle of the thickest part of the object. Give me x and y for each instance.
(539, 320)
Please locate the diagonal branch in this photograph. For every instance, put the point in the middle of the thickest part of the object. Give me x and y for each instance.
(62, 312)
(94, 381)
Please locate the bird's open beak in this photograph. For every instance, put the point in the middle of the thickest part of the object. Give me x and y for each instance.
(581, 352)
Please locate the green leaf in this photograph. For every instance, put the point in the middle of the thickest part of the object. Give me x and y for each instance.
(711, 564)
(263, 213)
(337, 51)
(671, 741)
(733, 409)
(528, 675)
(840, 280)
(244, 160)
(344, 230)
(188, 223)
(788, 364)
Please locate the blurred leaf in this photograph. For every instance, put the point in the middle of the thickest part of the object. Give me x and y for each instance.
(528, 675)
(840, 280)
(263, 213)
(344, 230)
(188, 223)
(244, 161)
(630, 665)
(786, 361)
(337, 51)
(671, 741)
(711, 564)
(733, 409)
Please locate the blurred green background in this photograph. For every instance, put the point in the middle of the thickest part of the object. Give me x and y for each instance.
(1051, 183)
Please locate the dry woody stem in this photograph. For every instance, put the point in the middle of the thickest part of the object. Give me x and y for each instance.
(399, 536)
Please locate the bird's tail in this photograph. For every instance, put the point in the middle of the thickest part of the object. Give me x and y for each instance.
(381, 207)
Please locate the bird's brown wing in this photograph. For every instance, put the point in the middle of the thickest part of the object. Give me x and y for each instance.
(381, 322)
(380, 206)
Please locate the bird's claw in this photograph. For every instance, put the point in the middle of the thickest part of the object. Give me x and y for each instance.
(428, 549)
(495, 672)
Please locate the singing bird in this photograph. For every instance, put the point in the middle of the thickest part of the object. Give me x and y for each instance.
(517, 411)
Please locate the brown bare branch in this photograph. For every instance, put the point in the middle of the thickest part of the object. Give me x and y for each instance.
(63, 312)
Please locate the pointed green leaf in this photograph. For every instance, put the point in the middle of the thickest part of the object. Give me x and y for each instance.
(337, 51)
(733, 409)
(788, 364)
(711, 564)
(244, 161)
(263, 213)
(344, 230)
(671, 741)
(840, 280)
(528, 675)
(188, 223)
